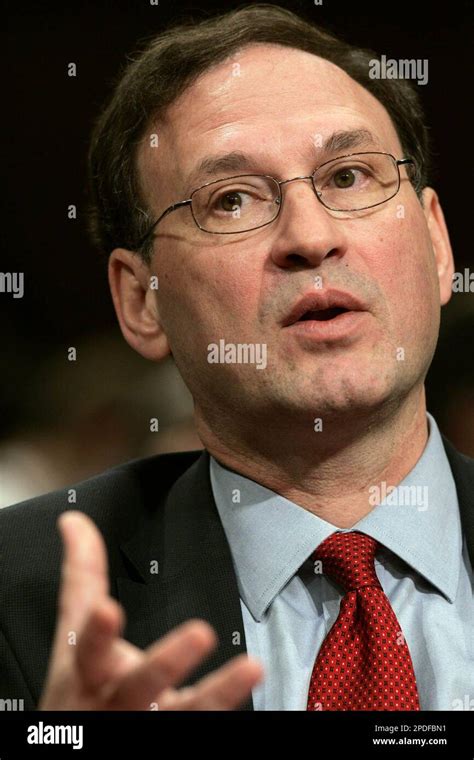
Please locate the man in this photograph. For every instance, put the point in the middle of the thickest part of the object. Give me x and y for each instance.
(266, 209)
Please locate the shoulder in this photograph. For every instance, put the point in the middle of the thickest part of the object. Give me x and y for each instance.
(462, 468)
(462, 465)
(113, 499)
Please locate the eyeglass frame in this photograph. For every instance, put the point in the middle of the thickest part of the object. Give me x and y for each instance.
(189, 201)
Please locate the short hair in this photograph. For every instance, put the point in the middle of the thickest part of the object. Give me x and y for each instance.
(118, 213)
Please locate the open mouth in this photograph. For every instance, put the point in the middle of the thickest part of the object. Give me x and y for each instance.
(335, 307)
(323, 315)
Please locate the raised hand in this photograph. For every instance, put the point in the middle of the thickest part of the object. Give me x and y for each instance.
(93, 668)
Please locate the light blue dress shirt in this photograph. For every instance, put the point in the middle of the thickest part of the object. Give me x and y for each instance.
(423, 567)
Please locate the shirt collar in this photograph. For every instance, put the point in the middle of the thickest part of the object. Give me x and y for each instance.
(426, 533)
(271, 537)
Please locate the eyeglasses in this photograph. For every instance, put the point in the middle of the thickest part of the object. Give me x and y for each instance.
(246, 202)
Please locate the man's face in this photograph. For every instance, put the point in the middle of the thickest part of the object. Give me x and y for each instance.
(278, 107)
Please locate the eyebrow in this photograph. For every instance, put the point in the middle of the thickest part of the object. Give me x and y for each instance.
(235, 161)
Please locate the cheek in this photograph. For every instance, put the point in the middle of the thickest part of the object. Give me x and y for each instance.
(209, 293)
(404, 267)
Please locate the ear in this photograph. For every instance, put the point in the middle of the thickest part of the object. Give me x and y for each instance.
(136, 304)
(440, 241)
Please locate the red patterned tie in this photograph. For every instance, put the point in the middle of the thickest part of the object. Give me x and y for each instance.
(364, 662)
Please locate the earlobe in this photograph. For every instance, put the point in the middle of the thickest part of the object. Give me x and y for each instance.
(440, 241)
(136, 305)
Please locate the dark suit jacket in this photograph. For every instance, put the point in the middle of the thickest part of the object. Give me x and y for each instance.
(155, 509)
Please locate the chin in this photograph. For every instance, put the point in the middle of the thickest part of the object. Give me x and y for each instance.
(344, 395)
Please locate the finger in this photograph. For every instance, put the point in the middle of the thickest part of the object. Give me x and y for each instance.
(166, 664)
(84, 577)
(100, 655)
(225, 689)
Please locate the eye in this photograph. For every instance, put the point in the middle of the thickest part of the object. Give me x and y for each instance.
(347, 177)
(344, 178)
(228, 201)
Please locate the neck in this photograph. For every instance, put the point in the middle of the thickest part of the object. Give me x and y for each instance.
(328, 473)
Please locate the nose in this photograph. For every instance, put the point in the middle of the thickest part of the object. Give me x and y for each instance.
(305, 233)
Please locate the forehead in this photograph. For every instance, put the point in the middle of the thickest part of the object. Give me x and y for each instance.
(265, 100)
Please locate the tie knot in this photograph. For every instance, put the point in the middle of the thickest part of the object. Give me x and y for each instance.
(348, 558)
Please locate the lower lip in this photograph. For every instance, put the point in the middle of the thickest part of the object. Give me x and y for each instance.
(345, 325)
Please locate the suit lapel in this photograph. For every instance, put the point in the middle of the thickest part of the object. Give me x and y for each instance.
(182, 568)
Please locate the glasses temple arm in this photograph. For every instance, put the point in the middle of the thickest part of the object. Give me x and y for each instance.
(167, 211)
